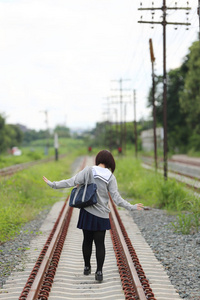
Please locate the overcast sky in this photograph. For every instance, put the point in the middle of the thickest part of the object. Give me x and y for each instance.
(62, 55)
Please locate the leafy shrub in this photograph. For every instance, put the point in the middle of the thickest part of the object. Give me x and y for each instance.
(34, 155)
(171, 195)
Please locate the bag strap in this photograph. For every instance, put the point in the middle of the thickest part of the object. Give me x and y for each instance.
(86, 182)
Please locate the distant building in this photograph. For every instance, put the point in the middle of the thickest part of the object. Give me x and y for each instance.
(147, 139)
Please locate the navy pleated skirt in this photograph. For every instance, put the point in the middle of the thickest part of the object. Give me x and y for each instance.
(88, 221)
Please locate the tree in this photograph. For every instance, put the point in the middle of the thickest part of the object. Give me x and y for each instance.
(2, 134)
(178, 133)
(10, 135)
(62, 131)
(190, 96)
(15, 135)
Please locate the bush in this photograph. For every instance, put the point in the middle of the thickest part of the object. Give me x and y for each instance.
(34, 155)
(171, 195)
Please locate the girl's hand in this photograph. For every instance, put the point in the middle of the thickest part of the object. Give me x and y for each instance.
(45, 179)
(140, 206)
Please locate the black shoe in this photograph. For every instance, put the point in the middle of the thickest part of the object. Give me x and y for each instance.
(99, 276)
(87, 271)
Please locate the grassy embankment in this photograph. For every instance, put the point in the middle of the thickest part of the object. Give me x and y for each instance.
(24, 195)
(152, 190)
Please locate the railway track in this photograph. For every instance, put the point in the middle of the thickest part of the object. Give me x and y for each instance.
(57, 272)
(8, 171)
(182, 169)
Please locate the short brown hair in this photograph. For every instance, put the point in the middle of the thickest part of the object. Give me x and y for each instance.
(105, 157)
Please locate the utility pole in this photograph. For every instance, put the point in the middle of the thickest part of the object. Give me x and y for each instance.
(121, 105)
(56, 145)
(153, 101)
(125, 127)
(116, 120)
(198, 12)
(108, 124)
(47, 131)
(164, 23)
(135, 123)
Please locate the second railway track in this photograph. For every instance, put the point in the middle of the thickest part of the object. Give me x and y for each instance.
(182, 169)
(58, 271)
(7, 171)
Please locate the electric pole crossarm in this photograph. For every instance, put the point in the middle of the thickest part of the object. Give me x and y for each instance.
(151, 22)
(152, 8)
(119, 90)
(175, 23)
(160, 8)
(167, 23)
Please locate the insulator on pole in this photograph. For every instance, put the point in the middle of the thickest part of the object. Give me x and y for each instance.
(151, 50)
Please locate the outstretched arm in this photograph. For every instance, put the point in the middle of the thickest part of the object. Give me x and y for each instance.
(113, 189)
(79, 178)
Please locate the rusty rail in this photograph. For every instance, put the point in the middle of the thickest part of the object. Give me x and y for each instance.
(34, 281)
(130, 269)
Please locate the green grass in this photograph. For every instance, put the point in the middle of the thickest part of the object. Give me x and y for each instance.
(36, 151)
(152, 190)
(24, 195)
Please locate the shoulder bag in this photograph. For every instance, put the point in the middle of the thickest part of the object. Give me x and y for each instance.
(85, 194)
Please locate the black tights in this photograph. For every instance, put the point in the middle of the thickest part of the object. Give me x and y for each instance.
(98, 237)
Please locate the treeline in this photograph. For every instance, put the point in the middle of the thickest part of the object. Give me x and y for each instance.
(33, 135)
(183, 103)
(12, 135)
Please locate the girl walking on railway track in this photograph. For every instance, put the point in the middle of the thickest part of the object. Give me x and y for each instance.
(94, 220)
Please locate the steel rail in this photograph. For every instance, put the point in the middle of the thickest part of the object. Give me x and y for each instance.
(139, 279)
(44, 258)
(186, 162)
(135, 278)
(197, 164)
(35, 288)
(176, 172)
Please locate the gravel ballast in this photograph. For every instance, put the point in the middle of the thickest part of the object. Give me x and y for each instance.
(178, 253)
(12, 252)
